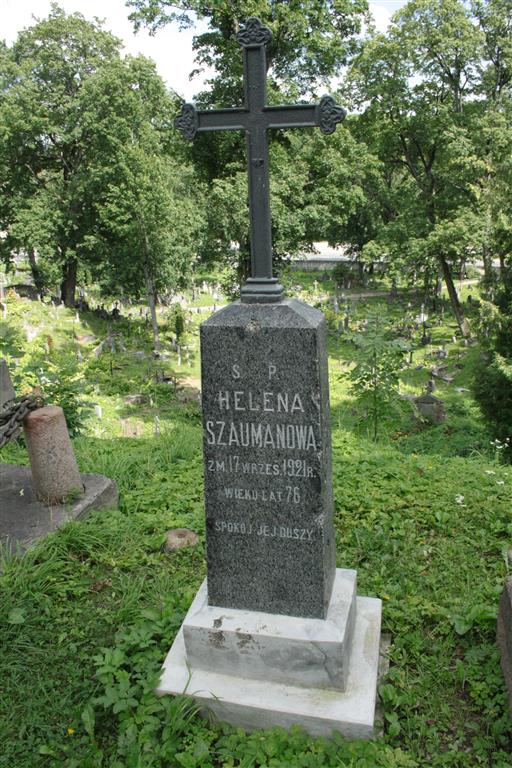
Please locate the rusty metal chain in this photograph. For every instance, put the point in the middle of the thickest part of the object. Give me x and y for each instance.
(12, 415)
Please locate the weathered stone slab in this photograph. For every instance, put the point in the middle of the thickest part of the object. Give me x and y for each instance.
(24, 519)
(253, 704)
(430, 408)
(504, 636)
(6, 388)
(264, 646)
(267, 453)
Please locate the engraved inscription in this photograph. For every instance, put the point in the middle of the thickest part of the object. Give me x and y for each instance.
(253, 434)
(236, 465)
(272, 531)
(247, 441)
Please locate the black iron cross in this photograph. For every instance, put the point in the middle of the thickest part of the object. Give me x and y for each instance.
(255, 118)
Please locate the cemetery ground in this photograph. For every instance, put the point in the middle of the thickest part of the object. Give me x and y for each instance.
(88, 614)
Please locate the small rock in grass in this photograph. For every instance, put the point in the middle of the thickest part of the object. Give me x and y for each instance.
(136, 399)
(179, 538)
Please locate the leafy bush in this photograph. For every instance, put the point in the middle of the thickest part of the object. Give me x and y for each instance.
(59, 376)
(493, 392)
(342, 274)
(177, 320)
(375, 377)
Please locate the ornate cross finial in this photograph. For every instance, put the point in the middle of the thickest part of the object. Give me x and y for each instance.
(254, 34)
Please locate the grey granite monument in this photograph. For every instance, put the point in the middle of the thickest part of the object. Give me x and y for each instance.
(276, 634)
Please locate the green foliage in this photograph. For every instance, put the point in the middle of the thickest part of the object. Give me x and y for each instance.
(342, 274)
(493, 392)
(59, 376)
(176, 320)
(95, 185)
(375, 376)
(488, 324)
(311, 38)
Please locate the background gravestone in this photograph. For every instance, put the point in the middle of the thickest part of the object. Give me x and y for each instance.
(504, 637)
(6, 388)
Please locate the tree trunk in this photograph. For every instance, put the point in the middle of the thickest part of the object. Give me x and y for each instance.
(426, 286)
(454, 299)
(36, 272)
(68, 284)
(151, 296)
(487, 260)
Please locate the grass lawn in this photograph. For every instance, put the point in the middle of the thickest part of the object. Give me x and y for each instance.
(89, 614)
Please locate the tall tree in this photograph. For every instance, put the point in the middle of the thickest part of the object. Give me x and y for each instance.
(310, 43)
(45, 150)
(147, 198)
(492, 132)
(415, 88)
(95, 176)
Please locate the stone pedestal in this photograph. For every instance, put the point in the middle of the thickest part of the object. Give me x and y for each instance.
(258, 670)
(54, 469)
(276, 635)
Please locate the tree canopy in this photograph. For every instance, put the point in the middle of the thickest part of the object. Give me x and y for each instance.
(80, 126)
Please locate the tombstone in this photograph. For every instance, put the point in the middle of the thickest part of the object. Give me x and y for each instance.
(430, 387)
(98, 411)
(504, 637)
(130, 428)
(7, 392)
(136, 399)
(275, 631)
(30, 332)
(430, 408)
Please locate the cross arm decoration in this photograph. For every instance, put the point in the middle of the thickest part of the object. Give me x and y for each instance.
(325, 115)
(255, 118)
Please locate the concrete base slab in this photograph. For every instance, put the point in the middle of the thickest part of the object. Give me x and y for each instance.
(24, 520)
(255, 704)
(284, 649)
